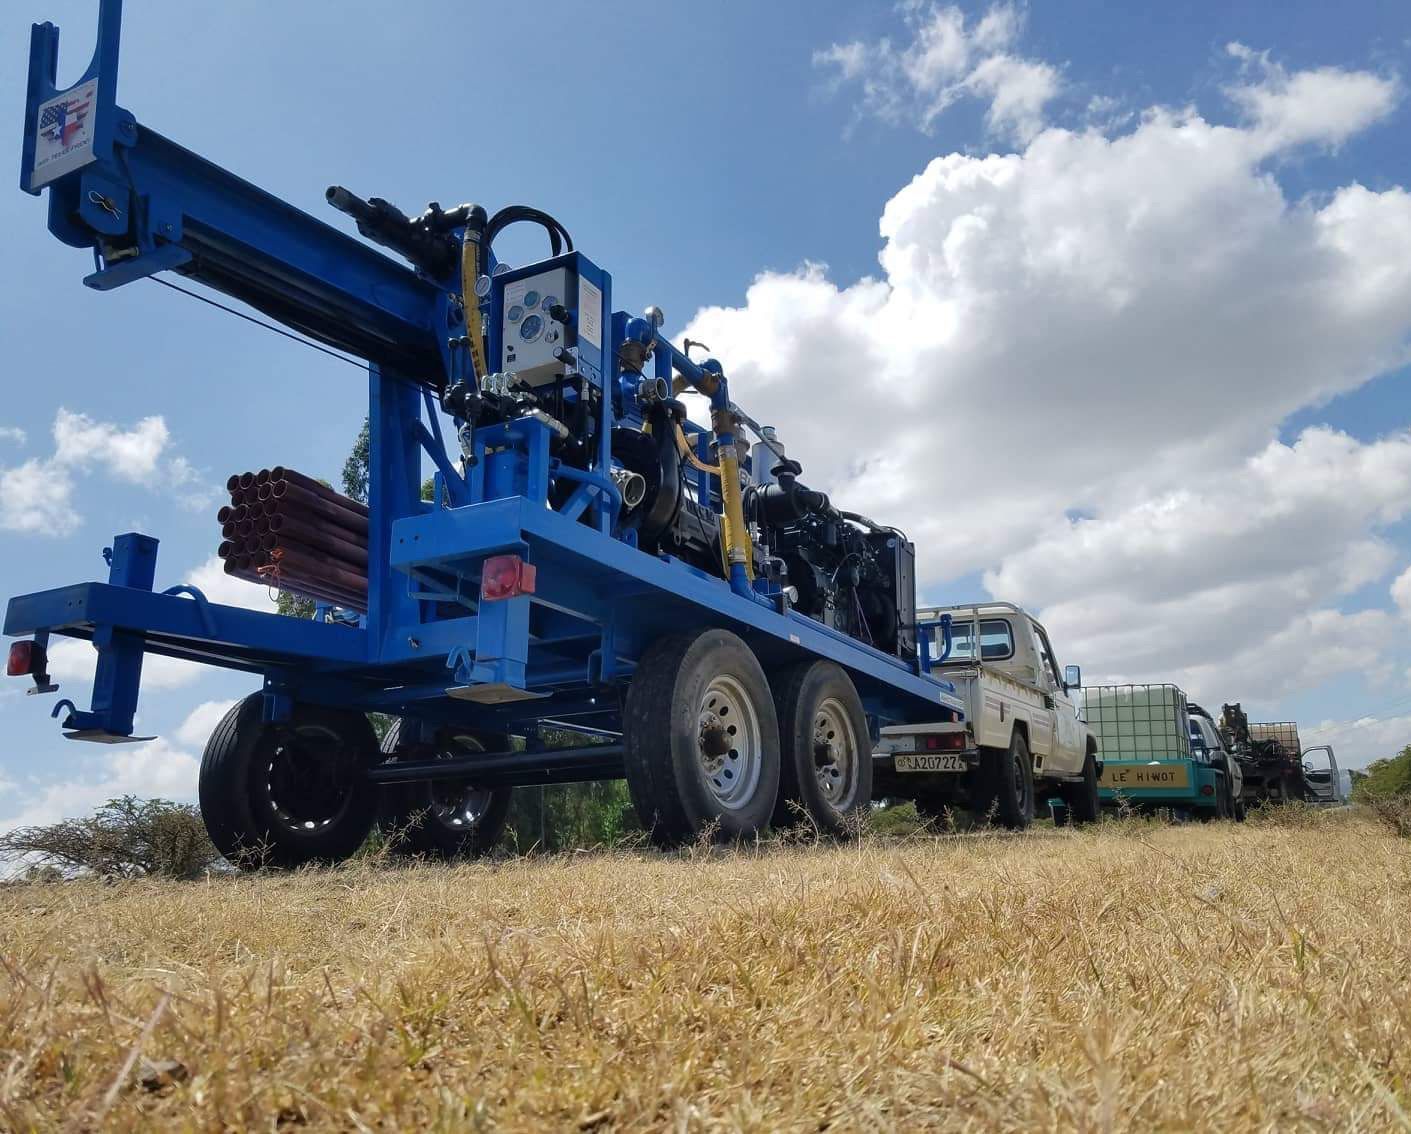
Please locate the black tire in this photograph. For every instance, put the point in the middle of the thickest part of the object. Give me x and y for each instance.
(443, 818)
(1083, 801)
(1008, 785)
(825, 749)
(285, 794)
(682, 779)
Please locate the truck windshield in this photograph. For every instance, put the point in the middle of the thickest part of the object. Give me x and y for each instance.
(996, 641)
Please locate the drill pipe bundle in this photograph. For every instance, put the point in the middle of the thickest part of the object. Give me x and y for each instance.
(286, 530)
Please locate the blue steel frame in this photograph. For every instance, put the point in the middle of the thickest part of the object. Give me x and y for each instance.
(563, 653)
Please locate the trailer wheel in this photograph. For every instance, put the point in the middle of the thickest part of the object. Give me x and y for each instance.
(825, 750)
(701, 739)
(443, 818)
(288, 793)
(1082, 800)
(1008, 785)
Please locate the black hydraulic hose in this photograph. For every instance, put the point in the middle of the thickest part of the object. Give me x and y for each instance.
(559, 238)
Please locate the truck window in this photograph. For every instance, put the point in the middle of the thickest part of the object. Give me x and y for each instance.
(1049, 661)
(996, 641)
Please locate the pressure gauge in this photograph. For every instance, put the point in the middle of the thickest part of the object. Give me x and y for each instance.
(515, 313)
(531, 328)
(500, 269)
(549, 301)
(482, 286)
(531, 299)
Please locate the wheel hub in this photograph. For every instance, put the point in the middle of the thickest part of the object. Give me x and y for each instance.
(835, 749)
(729, 744)
(307, 779)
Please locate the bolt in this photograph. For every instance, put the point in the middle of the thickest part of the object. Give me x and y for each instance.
(414, 643)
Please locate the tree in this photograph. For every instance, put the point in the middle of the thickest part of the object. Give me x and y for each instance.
(1385, 778)
(355, 468)
(124, 838)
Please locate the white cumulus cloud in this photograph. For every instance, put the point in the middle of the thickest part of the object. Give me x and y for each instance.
(196, 729)
(37, 496)
(948, 59)
(155, 770)
(1113, 325)
(75, 660)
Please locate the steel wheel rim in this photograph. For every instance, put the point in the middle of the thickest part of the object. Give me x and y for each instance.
(457, 804)
(729, 745)
(302, 774)
(835, 751)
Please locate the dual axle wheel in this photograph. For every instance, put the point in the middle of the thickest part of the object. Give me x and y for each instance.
(709, 749)
(285, 794)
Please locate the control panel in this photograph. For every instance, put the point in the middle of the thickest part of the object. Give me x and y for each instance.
(529, 334)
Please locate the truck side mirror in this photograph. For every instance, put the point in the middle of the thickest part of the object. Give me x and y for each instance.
(1072, 676)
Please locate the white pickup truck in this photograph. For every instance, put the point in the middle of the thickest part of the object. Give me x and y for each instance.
(1022, 744)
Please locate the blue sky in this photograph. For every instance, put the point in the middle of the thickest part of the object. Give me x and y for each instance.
(692, 148)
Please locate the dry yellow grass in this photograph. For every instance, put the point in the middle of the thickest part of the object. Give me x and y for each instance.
(1132, 978)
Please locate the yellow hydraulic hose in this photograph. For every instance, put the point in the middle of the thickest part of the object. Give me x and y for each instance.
(734, 534)
(474, 328)
(688, 451)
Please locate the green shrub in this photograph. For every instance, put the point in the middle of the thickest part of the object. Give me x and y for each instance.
(124, 838)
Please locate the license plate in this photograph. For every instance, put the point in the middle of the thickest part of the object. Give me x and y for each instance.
(1170, 776)
(926, 762)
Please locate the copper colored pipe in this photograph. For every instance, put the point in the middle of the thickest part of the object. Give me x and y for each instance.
(299, 480)
(314, 568)
(322, 536)
(321, 505)
(283, 542)
(344, 525)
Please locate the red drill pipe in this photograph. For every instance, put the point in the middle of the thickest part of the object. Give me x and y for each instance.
(322, 569)
(280, 543)
(299, 480)
(307, 501)
(322, 536)
(313, 585)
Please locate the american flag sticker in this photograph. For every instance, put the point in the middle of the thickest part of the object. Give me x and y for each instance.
(64, 137)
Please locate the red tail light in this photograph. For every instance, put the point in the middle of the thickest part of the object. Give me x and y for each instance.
(1207, 789)
(944, 740)
(21, 663)
(506, 576)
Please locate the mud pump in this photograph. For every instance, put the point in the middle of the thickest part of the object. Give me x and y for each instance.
(591, 558)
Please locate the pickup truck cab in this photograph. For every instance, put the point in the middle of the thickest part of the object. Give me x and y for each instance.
(1022, 745)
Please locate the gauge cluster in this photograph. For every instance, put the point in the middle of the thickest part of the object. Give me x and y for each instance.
(528, 334)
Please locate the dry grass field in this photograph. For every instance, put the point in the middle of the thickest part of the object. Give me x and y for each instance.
(1132, 978)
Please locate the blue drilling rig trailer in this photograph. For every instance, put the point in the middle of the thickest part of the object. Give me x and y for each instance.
(591, 559)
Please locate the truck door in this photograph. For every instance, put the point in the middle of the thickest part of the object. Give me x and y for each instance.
(1068, 750)
(1043, 736)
